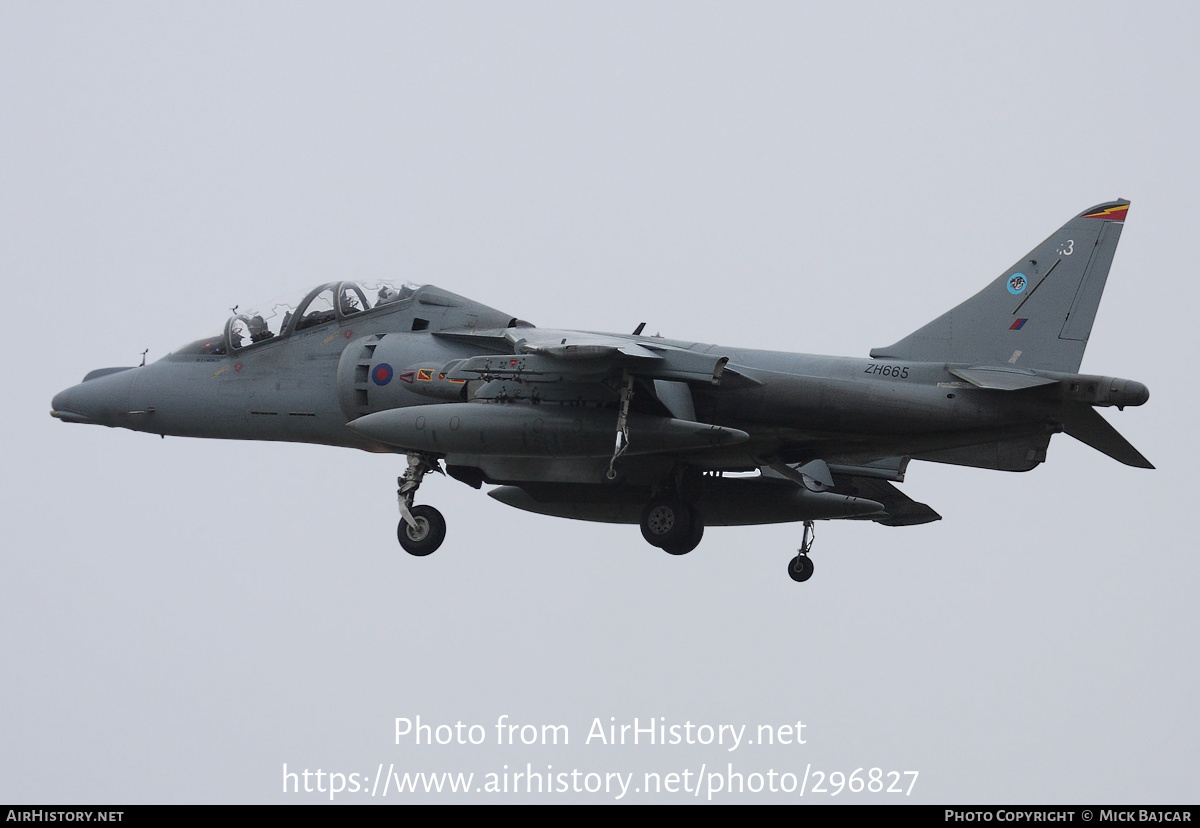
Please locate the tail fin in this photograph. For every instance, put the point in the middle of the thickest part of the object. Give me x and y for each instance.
(1039, 313)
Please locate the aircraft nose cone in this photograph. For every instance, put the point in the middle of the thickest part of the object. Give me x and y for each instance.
(100, 400)
(70, 405)
(60, 407)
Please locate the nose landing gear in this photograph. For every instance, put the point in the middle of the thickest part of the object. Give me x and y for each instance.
(422, 528)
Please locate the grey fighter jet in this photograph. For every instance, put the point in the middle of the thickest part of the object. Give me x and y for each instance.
(627, 428)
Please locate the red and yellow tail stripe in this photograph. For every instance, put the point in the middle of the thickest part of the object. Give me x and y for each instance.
(1114, 213)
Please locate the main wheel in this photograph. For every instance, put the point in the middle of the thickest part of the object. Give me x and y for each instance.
(694, 536)
(666, 522)
(800, 568)
(424, 538)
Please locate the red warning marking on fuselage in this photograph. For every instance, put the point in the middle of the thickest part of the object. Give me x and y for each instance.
(407, 376)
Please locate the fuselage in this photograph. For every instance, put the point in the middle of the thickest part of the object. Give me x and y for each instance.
(625, 428)
(302, 384)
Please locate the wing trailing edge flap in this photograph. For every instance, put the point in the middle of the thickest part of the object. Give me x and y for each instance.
(1085, 424)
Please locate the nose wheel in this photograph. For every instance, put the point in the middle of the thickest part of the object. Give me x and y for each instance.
(426, 532)
(422, 528)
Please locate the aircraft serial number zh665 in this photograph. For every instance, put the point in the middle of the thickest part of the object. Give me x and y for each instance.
(626, 428)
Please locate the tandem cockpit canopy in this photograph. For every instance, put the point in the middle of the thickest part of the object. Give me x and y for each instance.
(326, 303)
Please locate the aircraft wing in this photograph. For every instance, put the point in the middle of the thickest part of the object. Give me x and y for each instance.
(574, 345)
(568, 345)
(544, 355)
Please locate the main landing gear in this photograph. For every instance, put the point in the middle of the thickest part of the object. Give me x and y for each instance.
(800, 568)
(422, 528)
(677, 527)
(667, 522)
(672, 525)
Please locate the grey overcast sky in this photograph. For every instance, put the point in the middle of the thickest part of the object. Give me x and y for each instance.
(182, 619)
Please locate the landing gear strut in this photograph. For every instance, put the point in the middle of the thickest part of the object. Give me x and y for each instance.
(613, 474)
(800, 568)
(422, 528)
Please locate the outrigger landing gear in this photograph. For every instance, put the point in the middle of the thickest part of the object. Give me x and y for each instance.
(422, 528)
(613, 474)
(801, 566)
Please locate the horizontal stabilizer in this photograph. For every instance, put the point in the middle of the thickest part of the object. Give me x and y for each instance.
(1086, 425)
(1001, 379)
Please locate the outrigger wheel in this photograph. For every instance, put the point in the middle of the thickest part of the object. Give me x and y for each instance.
(800, 568)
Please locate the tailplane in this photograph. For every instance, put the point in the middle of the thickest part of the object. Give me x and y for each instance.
(1038, 314)
(1085, 424)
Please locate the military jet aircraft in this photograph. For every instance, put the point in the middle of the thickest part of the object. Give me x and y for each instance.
(629, 428)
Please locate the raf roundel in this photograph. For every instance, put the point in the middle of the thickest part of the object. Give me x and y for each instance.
(1017, 283)
(382, 374)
